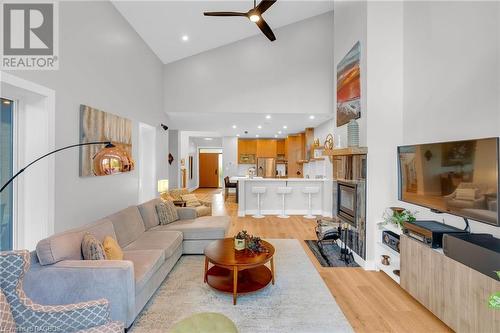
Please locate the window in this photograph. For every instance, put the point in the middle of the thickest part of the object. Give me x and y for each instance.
(6, 171)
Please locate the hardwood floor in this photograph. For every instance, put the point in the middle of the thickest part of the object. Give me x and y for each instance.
(371, 301)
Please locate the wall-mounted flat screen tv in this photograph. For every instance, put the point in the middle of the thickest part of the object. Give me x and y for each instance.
(459, 177)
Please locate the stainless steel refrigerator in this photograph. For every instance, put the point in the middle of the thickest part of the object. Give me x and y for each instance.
(266, 167)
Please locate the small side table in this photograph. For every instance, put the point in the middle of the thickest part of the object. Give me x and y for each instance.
(180, 203)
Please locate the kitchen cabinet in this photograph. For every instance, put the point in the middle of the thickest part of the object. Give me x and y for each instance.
(247, 151)
(280, 147)
(295, 153)
(266, 148)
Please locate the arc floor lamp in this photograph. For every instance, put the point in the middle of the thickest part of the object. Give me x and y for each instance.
(108, 145)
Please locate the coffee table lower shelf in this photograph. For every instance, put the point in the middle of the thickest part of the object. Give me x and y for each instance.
(249, 280)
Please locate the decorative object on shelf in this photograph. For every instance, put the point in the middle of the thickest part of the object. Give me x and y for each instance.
(349, 86)
(96, 125)
(329, 142)
(396, 272)
(170, 158)
(353, 133)
(239, 240)
(386, 260)
(397, 216)
(108, 145)
(428, 155)
(316, 143)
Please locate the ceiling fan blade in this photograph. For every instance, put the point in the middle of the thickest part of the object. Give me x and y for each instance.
(264, 5)
(266, 29)
(224, 14)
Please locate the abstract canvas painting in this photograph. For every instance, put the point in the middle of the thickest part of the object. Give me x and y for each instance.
(349, 87)
(97, 126)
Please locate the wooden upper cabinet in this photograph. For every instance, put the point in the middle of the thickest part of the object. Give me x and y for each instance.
(295, 153)
(247, 146)
(266, 148)
(280, 147)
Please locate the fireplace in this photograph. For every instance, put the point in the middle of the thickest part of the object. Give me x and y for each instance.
(347, 202)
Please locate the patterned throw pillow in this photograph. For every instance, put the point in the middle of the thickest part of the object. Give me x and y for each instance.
(167, 212)
(92, 249)
(112, 249)
(191, 200)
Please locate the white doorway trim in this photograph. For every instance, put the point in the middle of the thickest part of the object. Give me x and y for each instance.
(34, 192)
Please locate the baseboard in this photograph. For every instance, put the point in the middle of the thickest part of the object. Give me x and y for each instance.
(191, 189)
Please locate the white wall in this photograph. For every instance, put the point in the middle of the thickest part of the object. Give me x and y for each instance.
(451, 77)
(104, 64)
(350, 27)
(230, 155)
(291, 75)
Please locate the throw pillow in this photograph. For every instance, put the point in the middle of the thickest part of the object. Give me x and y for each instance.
(191, 200)
(468, 194)
(166, 197)
(92, 249)
(112, 249)
(167, 212)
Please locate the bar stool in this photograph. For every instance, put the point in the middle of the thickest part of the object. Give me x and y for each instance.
(284, 190)
(310, 190)
(258, 190)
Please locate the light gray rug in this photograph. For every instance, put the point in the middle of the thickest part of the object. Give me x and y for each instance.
(299, 302)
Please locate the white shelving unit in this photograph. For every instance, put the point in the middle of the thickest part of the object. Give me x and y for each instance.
(384, 249)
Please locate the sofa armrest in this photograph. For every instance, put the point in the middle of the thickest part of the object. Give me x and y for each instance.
(75, 281)
(186, 213)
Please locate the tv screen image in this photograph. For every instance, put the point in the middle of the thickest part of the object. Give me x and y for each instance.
(459, 177)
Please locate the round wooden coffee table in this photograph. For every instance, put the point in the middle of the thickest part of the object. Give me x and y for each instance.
(237, 272)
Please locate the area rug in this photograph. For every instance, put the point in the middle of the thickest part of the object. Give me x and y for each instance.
(328, 255)
(299, 302)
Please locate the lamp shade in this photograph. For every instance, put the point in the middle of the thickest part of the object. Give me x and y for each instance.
(163, 185)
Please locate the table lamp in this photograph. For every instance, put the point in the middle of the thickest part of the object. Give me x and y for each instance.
(163, 186)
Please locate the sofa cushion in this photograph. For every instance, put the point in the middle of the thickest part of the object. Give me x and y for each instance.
(67, 245)
(146, 263)
(128, 225)
(167, 212)
(92, 248)
(112, 249)
(168, 241)
(467, 194)
(148, 213)
(203, 211)
(206, 227)
(191, 200)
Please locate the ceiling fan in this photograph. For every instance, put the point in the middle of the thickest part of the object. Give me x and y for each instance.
(254, 15)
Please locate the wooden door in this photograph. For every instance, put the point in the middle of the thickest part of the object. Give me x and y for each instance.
(209, 170)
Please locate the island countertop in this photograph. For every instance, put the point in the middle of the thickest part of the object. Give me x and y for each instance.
(296, 202)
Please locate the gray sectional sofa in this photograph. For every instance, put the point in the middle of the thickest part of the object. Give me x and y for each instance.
(59, 275)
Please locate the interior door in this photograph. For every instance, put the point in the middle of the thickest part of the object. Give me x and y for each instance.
(209, 170)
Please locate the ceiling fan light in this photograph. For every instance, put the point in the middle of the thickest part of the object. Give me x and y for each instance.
(254, 18)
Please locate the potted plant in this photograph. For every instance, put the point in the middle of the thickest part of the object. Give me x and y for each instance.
(254, 245)
(397, 217)
(240, 240)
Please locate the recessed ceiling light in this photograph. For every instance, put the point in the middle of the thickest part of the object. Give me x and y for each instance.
(285, 127)
(279, 132)
(268, 116)
(234, 126)
(311, 117)
(259, 127)
(256, 135)
(275, 135)
(208, 139)
(238, 135)
(185, 38)
(6, 102)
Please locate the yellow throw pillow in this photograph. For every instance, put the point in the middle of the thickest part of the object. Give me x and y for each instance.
(191, 200)
(112, 249)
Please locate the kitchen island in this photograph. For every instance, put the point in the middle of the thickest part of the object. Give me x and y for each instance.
(296, 203)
